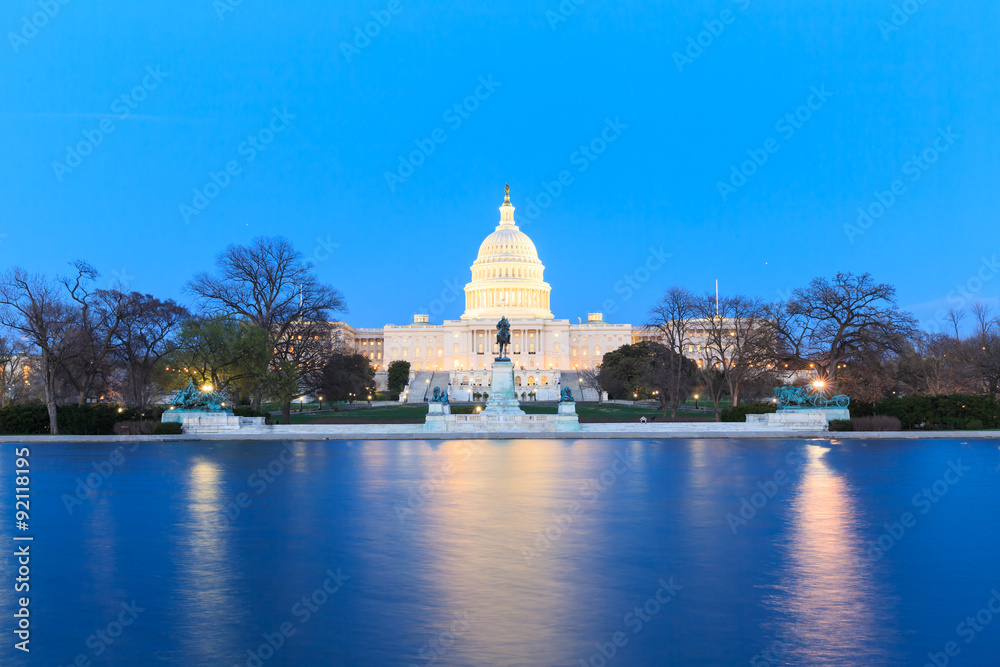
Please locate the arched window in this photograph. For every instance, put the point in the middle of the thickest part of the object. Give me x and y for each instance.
(531, 380)
(517, 381)
(545, 380)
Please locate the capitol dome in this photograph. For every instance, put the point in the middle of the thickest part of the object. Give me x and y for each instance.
(507, 276)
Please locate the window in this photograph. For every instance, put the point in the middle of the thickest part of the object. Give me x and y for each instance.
(531, 348)
(480, 352)
(517, 348)
(456, 349)
(545, 380)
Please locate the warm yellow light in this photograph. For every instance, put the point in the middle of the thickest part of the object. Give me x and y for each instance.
(696, 397)
(819, 384)
(120, 410)
(207, 388)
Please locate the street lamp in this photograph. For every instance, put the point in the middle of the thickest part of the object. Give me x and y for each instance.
(696, 401)
(320, 402)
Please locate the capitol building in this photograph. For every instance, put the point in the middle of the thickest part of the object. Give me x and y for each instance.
(508, 279)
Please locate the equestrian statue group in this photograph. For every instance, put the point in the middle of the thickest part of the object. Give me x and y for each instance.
(801, 397)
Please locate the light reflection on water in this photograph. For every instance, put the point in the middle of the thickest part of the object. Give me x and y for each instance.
(433, 538)
(831, 600)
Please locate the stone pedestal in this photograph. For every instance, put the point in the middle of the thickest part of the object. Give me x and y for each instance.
(799, 418)
(438, 415)
(197, 421)
(566, 418)
(503, 399)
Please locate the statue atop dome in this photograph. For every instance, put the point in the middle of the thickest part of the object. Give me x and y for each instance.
(506, 195)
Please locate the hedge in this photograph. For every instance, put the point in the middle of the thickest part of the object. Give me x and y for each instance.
(72, 419)
(951, 411)
(738, 413)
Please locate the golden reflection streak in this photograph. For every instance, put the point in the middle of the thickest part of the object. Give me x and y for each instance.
(204, 564)
(472, 530)
(830, 593)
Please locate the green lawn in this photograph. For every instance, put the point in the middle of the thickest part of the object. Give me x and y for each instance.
(398, 414)
(415, 414)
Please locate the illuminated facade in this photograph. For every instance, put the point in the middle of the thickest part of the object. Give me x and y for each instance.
(507, 279)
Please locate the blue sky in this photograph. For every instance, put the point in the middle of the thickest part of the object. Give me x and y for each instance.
(200, 78)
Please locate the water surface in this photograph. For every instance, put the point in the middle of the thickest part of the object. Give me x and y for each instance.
(697, 552)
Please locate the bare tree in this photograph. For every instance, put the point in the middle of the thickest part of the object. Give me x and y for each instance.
(100, 314)
(592, 378)
(269, 284)
(739, 345)
(828, 324)
(33, 307)
(981, 351)
(932, 365)
(147, 333)
(671, 318)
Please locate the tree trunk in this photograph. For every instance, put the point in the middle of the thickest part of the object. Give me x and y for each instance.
(50, 396)
(286, 413)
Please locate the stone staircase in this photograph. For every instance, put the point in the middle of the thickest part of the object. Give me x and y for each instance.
(423, 383)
